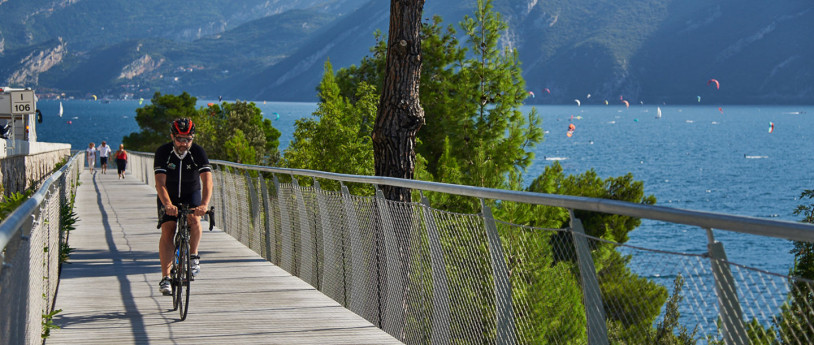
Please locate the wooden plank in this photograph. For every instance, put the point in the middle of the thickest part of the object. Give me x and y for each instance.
(109, 291)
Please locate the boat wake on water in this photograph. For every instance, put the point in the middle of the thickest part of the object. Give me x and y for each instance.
(754, 157)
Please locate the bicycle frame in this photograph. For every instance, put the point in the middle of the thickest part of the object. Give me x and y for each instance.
(181, 272)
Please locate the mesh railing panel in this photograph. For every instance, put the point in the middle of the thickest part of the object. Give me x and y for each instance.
(30, 260)
(365, 267)
(429, 276)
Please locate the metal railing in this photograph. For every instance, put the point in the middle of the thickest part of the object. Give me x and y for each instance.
(426, 275)
(30, 239)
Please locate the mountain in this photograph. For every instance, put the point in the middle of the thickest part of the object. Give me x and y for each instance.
(651, 51)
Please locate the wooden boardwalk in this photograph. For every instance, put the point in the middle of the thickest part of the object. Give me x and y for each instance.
(109, 294)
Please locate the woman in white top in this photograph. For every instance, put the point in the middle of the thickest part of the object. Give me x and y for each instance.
(90, 154)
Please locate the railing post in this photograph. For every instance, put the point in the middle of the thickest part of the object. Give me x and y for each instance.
(307, 253)
(255, 209)
(268, 220)
(503, 289)
(394, 310)
(223, 204)
(332, 264)
(592, 297)
(440, 284)
(286, 234)
(728, 304)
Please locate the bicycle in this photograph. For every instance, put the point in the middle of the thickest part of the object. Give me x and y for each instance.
(181, 272)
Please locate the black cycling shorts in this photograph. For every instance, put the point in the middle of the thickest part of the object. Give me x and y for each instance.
(193, 200)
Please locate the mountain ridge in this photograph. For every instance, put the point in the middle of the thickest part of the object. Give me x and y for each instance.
(650, 51)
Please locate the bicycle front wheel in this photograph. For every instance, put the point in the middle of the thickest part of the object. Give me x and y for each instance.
(185, 277)
(175, 275)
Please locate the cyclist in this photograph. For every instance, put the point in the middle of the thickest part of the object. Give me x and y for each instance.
(182, 175)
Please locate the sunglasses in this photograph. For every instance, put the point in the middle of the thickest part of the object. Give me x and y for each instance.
(184, 140)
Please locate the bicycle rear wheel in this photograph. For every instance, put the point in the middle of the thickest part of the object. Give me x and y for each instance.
(185, 276)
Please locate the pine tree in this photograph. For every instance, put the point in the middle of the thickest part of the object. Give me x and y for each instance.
(337, 137)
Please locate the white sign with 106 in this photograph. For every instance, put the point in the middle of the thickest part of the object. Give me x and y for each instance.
(18, 102)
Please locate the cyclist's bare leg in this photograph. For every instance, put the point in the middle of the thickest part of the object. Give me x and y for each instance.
(194, 233)
(166, 247)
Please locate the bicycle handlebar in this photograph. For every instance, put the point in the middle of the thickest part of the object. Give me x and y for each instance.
(183, 209)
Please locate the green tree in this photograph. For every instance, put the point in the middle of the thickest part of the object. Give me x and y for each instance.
(794, 321)
(337, 137)
(239, 149)
(475, 135)
(254, 138)
(471, 96)
(631, 302)
(154, 120)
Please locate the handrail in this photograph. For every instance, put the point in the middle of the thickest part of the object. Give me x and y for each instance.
(14, 222)
(708, 220)
(325, 238)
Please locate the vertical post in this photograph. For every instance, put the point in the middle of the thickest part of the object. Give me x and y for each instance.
(393, 312)
(254, 208)
(268, 220)
(728, 304)
(223, 204)
(592, 297)
(503, 289)
(287, 251)
(440, 284)
(307, 271)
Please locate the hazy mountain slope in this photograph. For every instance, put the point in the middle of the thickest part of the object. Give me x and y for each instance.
(652, 51)
(198, 67)
(293, 78)
(643, 50)
(664, 51)
(89, 23)
(344, 42)
(759, 51)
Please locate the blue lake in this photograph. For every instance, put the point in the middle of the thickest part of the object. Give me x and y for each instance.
(694, 157)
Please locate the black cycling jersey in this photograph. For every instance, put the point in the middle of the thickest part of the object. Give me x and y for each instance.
(183, 172)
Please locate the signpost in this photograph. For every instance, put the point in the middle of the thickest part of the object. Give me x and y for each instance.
(17, 108)
(17, 102)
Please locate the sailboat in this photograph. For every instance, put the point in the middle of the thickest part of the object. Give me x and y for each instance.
(658, 112)
(60, 109)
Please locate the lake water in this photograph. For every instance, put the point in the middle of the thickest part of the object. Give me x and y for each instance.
(694, 157)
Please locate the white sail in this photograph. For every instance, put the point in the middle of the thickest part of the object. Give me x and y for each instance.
(60, 109)
(658, 112)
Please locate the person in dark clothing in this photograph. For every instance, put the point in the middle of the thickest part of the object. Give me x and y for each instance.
(182, 175)
(121, 160)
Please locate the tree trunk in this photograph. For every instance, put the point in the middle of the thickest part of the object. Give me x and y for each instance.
(400, 115)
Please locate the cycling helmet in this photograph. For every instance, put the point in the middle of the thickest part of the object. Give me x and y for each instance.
(182, 126)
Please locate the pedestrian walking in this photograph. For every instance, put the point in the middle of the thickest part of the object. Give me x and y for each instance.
(121, 160)
(90, 154)
(104, 152)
